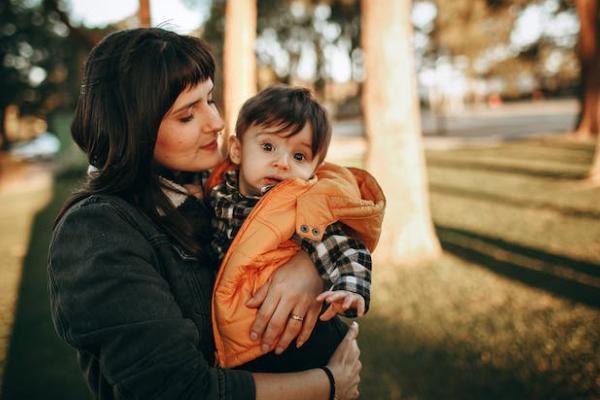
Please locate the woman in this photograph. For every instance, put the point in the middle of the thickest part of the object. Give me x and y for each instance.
(130, 284)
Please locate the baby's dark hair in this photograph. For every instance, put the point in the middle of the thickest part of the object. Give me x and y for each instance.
(290, 108)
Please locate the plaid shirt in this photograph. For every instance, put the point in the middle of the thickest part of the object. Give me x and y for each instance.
(343, 262)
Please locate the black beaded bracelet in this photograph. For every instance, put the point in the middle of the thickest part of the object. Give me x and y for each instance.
(331, 382)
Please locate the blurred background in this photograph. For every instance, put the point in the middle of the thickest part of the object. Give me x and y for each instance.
(480, 119)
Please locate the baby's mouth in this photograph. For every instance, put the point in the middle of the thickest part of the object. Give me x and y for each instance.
(269, 182)
(272, 180)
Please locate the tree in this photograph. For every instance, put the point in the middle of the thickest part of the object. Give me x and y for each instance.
(289, 31)
(239, 58)
(144, 13)
(391, 113)
(40, 58)
(589, 56)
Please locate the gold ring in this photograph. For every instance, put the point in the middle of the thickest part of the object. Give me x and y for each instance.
(296, 317)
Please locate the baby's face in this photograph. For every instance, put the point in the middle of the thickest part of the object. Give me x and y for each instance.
(267, 158)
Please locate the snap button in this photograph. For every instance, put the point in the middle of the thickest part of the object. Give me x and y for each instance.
(315, 232)
(303, 228)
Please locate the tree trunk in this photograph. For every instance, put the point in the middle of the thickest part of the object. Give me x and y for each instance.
(589, 56)
(4, 141)
(144, 13)
(239, 57)
(395, 152)
(594, 175)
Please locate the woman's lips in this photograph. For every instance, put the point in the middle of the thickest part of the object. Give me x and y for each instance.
(210, 146)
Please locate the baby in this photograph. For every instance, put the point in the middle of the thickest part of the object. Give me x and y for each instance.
(273, 197)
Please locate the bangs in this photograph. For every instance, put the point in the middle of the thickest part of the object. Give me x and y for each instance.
(188, 63)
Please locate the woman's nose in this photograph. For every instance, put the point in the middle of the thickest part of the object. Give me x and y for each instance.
(214, 123)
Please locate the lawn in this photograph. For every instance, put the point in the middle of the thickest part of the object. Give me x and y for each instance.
(510, 311)
(512, 308)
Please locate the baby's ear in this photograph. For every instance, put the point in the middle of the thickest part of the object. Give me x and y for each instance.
(235, 150)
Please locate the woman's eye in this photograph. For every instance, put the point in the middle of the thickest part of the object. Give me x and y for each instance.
(187, 118)
(299, 157)
(267, 147)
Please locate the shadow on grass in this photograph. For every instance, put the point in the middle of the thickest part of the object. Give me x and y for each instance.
(400, 363)
(521, 203)
(586, 147)
(573, 279)
(39, 364)
(509, 169)
(527, 152)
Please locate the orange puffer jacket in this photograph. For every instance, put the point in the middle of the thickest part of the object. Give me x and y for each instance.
(349, 195)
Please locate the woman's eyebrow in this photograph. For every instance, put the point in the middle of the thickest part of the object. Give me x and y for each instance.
(191, 103)
(188, 105)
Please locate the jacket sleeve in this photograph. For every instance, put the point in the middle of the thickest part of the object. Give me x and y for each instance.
(343, 262)
(110, 303)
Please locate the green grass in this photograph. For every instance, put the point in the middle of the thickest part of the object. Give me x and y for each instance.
(39, 364)
(511, 310)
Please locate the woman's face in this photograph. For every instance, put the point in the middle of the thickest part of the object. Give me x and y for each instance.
(187, 136)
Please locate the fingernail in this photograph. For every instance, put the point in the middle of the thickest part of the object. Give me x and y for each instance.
(264, 348)
(278, 350)
(253, 336)
(299, 343)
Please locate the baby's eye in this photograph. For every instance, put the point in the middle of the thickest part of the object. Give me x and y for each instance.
(267, 147)
(299, 157)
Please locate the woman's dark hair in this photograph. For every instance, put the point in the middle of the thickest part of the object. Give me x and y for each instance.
(290, 108)
(131, 79)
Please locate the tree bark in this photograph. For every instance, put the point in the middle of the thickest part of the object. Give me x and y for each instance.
(4, 141)
(239, 58)
(395, 152)
(144, 14)
(589, 56)
(594, 175)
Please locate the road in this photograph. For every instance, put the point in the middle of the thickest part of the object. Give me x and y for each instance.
(480, 125)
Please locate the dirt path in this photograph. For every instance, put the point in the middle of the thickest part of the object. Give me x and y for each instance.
(24, 189)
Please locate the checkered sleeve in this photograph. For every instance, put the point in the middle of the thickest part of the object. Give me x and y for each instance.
(343, 262)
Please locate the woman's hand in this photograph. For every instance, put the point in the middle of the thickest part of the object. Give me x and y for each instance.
(291, 291)
(345, 366)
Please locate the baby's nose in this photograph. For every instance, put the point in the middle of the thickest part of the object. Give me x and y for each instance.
(282, 162)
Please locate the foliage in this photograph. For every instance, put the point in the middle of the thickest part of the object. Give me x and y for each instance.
(40, 58)
(289, 31)
(493, 37)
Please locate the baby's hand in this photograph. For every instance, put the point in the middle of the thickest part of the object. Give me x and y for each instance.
(340, 301)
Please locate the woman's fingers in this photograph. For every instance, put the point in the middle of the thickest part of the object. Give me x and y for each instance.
(352, 332)
(260, 296)
(264, 316)
(310, 320)
(276, 325)
(293, 327)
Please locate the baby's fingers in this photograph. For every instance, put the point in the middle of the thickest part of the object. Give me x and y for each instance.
(360, 309)
(337, 296)
(329, 313)
(349, 301)
(323, 296)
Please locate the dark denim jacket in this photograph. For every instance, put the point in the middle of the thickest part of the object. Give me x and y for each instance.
(136, 307)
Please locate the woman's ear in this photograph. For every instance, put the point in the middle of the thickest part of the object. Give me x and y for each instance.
(235, 150)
